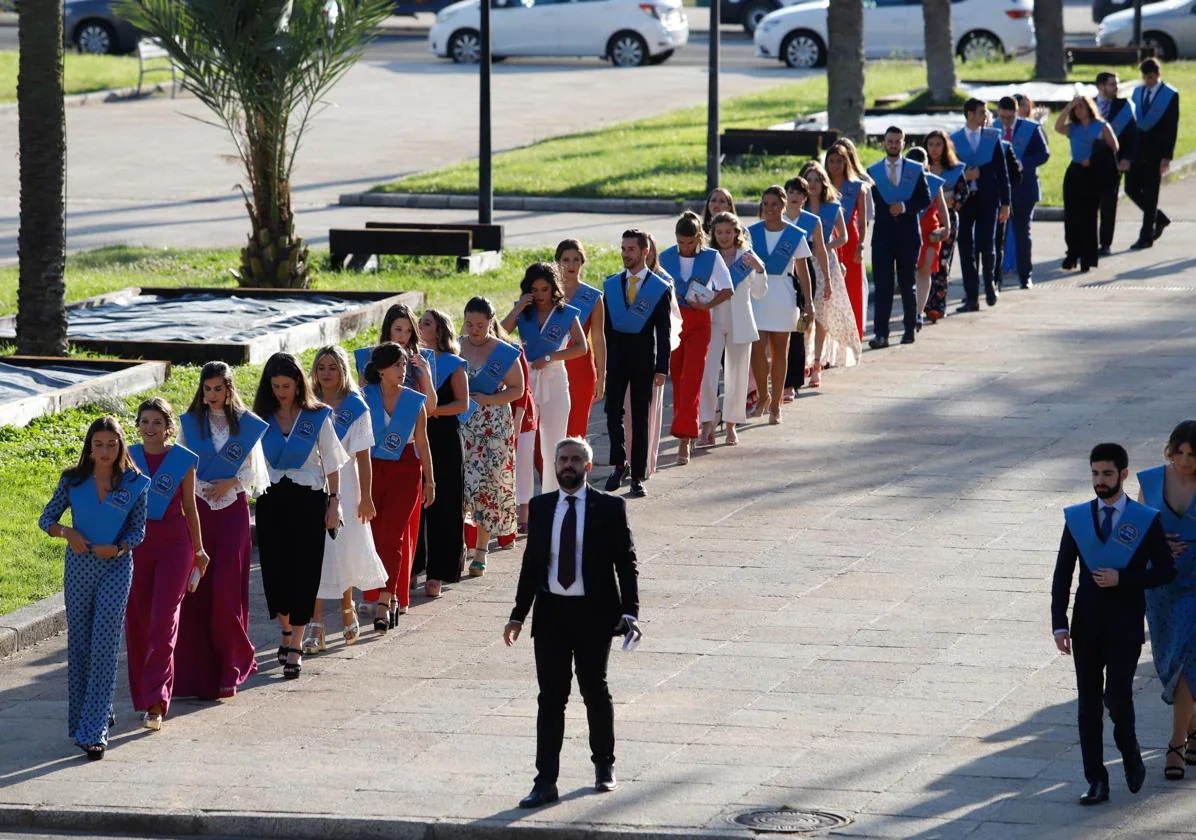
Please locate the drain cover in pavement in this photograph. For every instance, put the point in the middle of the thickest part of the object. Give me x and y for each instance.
(790, 821)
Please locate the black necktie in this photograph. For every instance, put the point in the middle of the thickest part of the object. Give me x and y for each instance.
(1105, 107)
(1147, 100)
(1106, 525)
(566, 565)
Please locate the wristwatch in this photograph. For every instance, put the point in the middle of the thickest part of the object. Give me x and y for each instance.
(548, 359)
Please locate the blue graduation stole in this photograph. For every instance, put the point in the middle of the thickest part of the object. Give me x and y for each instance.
(487, 380)
(290, 453)
(584, 300)
(935, 183)
(1123, 542)
(740, 269)
(361, 357)
(446, 365)
(703, 269)
(848, 196)
(776, 261)
(100, 522)
(1148, 118)
(430, 358)
(1151, 482)
(807, 224)
(217, 466)
(1083, 139)
(346, 414)
(632, 319)
(539, 341)
(951, 176)
(391, 438)
(989, 137)
(904, 191)
(828, 211)
(1124, 117)
(1023, 132)
(169, 477)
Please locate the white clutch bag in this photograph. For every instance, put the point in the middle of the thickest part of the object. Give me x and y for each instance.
(699, 293)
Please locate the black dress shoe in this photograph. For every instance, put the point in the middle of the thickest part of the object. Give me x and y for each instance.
(1160, 225)
(1141, 244)
(1028, 283)
(908, 338)
(546, 794)
(1069, 263)
(604, 778)
(969, 306)
(878, 343)
(637, 489)
(1135, 772)
(615, 478)
(990, 296)
(1105, 251)
(1098, 792)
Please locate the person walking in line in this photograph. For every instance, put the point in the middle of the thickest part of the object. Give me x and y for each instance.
(943, 162)
(798, 367)
(1156, 106)
(169, 558)
(855, 195)
(720, 200)
(1079, 122)
(579, 572)
(1119, 114)
(214, 655)
(638, 325)
(107, 498)
(900, 193)
(1171, 609)
(587, 373)
(400, 325)
(934, 224)
(1030, 147)
(986, 171)
(701, 282)
(1122, 551)
(834, 314)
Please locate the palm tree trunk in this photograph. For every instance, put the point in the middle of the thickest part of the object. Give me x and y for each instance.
(41, 241)
(845, 67)
(1050, 59)
(940, 50)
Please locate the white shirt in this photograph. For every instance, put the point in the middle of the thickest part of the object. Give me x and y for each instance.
(893, 169)
(325, 458)
(634, 279)
(252, 476)
(973, 135)
(720, 276)
(1118, 509)
(554, 560)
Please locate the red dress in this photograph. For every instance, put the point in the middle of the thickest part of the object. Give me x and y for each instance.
(583, 380)
(930, 223)
(397, 489)
(853, 270)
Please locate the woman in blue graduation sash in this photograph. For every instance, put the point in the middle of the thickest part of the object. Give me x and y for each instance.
(720, 200)
(351, 559)
(587, 374)
(403, 476)
(733, 330)
(546, 324)
(171, 553)
(944, 163)
(213, 655)
(1171, 609)
(856, 199)
(783, 249)
(107, 498)
(934, 226)
(303, 456)
(400, 325)
(445, 517)
(495, 381)
(1080, 123)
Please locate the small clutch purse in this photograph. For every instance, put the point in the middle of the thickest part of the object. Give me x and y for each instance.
(804, 322)
(699, 293)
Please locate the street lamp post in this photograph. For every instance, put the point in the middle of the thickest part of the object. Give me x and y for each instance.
(712, 120)
(485, 163)
(1138, 24)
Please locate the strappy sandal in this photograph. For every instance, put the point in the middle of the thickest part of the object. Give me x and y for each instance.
(478, 567)
(1190, 752)
(393, 613)
(152, 721)
(313, 639)
(762, 406)
(432, 589)
(774, 416)
(683, 449)
(1174, 774)
(292, 670)
(381, 622)
(94, 752)
(350, 632)
(732, 435)
(282, 649)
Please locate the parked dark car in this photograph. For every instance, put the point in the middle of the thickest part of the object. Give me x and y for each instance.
(90, 26)
(413, 7)
(747, 12)
(1101, 9)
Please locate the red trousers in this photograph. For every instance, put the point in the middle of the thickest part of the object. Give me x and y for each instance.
(853, 271)
(583, 379)
(687, 365)
(398, 492)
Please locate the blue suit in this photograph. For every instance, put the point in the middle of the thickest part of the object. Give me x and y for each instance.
(1032, 151)
(896, 241)
(978, 216)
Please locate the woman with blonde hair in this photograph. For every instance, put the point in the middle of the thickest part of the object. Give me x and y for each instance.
(1080, 122)
(856, 201)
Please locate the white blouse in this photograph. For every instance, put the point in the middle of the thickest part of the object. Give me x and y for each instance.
(325, 458)
(360, 435)
(252, 477)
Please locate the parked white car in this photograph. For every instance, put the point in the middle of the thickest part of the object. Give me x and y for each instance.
(627, 32)
(796, 34)
(1169, 27)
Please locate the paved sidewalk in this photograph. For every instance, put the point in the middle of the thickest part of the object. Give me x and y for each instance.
(848, 612)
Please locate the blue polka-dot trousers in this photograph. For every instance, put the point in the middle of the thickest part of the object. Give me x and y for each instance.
(96, 592)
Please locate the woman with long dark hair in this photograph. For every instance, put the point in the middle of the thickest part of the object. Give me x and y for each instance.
(168, 559)
(856, 200)
(587, 374)
(1080, 122)
(107, 498)
(400, 325)
(935, 225)
(942, 161)
(213, 655)
(720, 200)
(304, 457)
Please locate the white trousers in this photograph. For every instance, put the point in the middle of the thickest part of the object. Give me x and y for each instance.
(550, 390)
(655, 424)
(737, 370)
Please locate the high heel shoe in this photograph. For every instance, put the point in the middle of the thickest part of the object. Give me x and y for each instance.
(283, 648)
(1172, 773)
(1190, 751)
(762, 406)
(683, 452)
(774, 416)
(350, 632)
(732, 435)
(313, 638)
(478, 567)
(292, 670)
(381, 622)
(393, 613)
(815, 376)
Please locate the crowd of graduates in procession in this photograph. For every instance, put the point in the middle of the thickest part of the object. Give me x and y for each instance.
(416, 456)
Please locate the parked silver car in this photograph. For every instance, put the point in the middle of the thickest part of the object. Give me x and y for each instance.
(1169, 27)
(90, 26)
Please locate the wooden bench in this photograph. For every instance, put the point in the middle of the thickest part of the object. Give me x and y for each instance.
(745, 141)
(1108, 56)
(152, 57)
(352, 249)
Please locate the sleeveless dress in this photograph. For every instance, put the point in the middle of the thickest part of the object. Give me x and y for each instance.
(842, 345)
(489, 440)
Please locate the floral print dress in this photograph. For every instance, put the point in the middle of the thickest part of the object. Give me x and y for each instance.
(489, 441)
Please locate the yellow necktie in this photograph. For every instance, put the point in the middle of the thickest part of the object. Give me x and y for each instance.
(632, 288)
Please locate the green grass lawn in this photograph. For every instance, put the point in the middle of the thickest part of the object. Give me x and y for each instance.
(81, 74)
(32, 457)
(665, 156)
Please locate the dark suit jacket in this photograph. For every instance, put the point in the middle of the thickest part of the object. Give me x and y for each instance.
(1159, 142)
(648, 350)
(904, 230)
(1038, 152)
(1119, 610)
(992, 187)
(607, 557)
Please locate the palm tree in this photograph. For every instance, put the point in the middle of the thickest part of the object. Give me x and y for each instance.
(940, 50)
(263, 67)
(1050, 59)
(845, 67)
(41, 242)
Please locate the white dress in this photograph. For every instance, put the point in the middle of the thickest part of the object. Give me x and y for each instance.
(777, 310)
(351, 559)
(842, 344)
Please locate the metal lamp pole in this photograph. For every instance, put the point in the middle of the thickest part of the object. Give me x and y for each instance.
(485, 163)
(712, 116)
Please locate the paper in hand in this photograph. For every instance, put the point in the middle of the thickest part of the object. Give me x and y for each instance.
(631, 640)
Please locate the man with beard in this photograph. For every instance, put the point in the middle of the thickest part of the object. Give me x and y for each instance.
(1122, 551)
(579, 570)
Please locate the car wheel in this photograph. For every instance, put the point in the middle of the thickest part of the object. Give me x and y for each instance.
(753, 13)
(465, 47)
(95, 37)
(802, 50)
(980, 46)
(660, 58)
(1164, 47)
(627, 49)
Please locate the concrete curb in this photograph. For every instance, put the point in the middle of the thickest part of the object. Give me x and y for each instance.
(29, 625)
(110, 95)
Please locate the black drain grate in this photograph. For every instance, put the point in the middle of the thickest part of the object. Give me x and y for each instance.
(791, 821)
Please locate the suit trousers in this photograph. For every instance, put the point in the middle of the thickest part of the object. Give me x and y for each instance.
(1110, 191)
(655, 425)
(736, 369)
(687, 367)
(290, 541)
(977, 246)
(1142, 186)
(623, 380)
(902, 255)
(550, 390)
(568, 632)
(1105, 675)
(1081, 198)
(1022, 217)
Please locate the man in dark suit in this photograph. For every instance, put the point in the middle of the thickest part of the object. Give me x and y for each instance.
(900, 194)
(637, 309)
(1156, 106)
(1030, 150)
(1122, 550)
(579, 570)
(980, 150)
(1119, 114)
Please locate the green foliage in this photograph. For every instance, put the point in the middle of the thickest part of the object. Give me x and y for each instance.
(81, 73)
